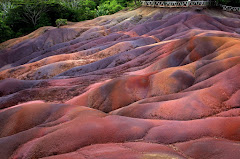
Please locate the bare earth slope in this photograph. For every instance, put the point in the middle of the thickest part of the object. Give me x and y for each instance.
(144, 84)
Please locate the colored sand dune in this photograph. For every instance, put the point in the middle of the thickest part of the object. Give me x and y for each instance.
(150, 83)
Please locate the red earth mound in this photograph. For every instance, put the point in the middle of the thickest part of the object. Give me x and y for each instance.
(143, 84)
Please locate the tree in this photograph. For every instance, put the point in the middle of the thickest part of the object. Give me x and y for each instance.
(32, 12)
(72, 4)
(81, 9)
(5, 7)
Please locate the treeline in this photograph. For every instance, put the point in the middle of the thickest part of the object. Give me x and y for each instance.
(234, 3)
(20, 17)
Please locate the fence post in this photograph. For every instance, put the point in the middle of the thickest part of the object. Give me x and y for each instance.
(188, 3)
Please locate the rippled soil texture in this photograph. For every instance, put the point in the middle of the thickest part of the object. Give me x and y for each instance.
(144, 84)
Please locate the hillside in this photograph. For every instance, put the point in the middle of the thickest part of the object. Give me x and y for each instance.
(146, 84)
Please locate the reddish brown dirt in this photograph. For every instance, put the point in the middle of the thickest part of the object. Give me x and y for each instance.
(150, 83)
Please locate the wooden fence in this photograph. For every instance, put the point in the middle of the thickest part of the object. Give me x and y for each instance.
(230, 8)
(188, 4)
(176, 3)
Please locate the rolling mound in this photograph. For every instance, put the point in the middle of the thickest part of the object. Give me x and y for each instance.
(144, 84)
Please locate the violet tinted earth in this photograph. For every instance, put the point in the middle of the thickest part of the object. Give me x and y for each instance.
(144, 84)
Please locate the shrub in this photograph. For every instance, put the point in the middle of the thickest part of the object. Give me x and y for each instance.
(79, 10)
(61, 22)
(5, 32)
(102, 10)
(133, 5)
(108, 7)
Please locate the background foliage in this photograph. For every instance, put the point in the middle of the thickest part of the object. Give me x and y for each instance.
(235, 3)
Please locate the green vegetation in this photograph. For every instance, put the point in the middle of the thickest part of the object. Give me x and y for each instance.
(108, 7)
(5, 31)
(20, 17)
(61, 22)
(234, 3)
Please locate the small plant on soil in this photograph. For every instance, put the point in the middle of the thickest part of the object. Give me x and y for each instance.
(61, 22)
